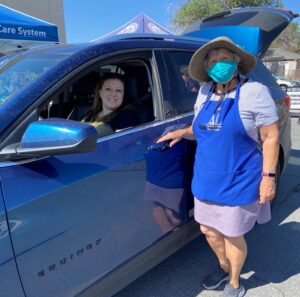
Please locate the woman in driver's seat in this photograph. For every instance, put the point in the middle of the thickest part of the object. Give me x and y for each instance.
(108, 113)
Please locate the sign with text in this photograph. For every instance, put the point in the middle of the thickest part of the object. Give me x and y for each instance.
(19, 26)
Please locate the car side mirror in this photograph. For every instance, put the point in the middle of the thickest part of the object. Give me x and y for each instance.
(53, 137)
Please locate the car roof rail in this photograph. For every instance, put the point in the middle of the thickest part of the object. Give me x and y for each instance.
(148, 36)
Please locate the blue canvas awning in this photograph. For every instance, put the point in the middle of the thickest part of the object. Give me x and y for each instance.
(15, 25)
(139, 24)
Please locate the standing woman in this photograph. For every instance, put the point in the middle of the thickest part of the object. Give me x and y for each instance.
(234, 180)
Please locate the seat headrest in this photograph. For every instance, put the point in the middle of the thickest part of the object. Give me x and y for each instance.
(131, 93)
(84, 88)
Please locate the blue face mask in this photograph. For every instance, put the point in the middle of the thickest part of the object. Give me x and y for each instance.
(223, 71)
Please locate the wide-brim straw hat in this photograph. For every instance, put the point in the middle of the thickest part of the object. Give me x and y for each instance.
(197, 68)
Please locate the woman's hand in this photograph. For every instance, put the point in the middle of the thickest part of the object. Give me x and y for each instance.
(173, 137)
(267, 189)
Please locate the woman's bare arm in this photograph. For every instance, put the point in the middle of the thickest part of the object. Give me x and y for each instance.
(270, 139)
(177, 135)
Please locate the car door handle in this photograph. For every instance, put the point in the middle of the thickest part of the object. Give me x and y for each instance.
(160, 146)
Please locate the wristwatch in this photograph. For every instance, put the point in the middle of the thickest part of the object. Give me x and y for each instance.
(270, 174)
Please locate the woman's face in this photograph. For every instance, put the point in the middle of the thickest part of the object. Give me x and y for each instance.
(112, 93)
(217, 55)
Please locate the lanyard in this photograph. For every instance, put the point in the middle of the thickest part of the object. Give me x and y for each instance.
(210, 92)
(216, 119)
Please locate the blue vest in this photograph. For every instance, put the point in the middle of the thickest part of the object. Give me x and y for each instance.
(228, 162)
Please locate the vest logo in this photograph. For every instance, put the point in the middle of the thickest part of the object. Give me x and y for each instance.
(214, 123)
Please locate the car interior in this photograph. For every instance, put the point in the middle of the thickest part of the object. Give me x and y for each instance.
(75, 99)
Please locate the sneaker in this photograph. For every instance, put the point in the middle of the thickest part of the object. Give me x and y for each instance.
(215, 279)
(230, 291)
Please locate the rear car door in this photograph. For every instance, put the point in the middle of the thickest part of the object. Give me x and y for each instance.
(82, 216)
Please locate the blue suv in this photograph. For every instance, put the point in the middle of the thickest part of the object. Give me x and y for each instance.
(81, 215)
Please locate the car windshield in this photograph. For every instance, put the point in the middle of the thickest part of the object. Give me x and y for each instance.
(19, 71)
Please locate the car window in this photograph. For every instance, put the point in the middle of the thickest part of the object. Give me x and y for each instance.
(179, 89)
(79, 99)
(19, 71)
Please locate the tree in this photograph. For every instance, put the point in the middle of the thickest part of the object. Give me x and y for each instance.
(289, 39)
(191, 11)
(244, 3)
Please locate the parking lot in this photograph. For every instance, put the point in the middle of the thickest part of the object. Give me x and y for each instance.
(294, 94)
(272, 268)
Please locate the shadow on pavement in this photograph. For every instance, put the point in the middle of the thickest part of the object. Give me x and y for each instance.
(273, 255)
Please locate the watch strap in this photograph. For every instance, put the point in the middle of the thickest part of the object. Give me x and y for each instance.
(270, 174)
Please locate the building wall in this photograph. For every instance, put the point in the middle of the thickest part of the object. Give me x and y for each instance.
(287, 69)
(48, 10)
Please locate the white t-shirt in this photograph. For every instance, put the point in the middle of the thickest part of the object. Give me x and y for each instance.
(256, 106)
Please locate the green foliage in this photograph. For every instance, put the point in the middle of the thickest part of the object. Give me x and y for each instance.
(191, 11)
(245, 3)
(289, 39)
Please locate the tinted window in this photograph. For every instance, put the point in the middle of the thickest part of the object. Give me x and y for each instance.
(179, 89)
(80, 100)
(19, 71)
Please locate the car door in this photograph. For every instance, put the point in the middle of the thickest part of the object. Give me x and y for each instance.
(181, 92)
(82, 216)
(10, 284)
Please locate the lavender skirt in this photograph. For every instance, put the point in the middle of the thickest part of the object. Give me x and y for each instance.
(231, 220)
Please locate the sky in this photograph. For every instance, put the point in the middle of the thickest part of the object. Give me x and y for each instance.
(86, 20)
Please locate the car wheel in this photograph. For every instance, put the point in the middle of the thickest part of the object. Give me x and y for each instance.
(277, 180)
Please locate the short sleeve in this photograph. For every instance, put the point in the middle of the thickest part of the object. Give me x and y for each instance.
(264, 107)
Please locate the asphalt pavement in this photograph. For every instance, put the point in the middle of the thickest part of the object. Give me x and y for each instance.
(272, 268)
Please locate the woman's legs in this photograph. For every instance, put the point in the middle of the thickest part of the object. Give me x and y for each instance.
(216, 241)
(230, 251)
(160, 217)
(236, 253)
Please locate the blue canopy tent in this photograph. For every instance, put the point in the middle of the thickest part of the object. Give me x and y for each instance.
(19, 30)
(139, 24)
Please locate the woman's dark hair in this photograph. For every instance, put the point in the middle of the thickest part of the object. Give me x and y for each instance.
(111, 75)
(97, 104)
